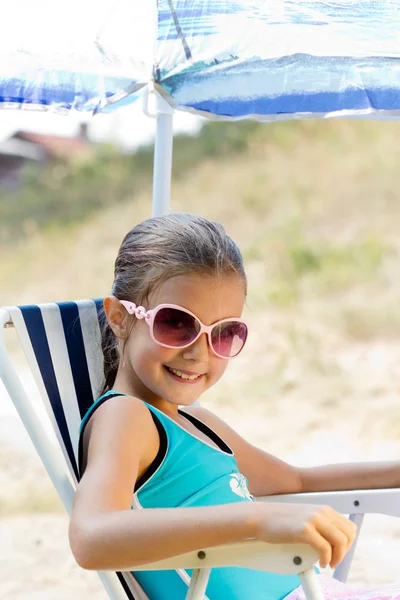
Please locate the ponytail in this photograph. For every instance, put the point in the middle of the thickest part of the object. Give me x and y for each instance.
(109, 346)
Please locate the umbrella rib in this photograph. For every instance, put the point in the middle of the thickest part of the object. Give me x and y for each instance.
(179, 31)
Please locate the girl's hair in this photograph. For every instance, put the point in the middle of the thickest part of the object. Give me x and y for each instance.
(161, 248)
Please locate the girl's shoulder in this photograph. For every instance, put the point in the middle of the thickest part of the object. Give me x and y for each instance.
(116, 406)
(121, 422)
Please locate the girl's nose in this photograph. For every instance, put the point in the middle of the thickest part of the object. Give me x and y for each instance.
(199, 350)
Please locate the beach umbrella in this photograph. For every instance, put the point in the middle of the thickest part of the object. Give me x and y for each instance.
(267, 60)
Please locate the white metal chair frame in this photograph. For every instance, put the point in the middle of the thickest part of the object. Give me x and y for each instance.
(282, 559)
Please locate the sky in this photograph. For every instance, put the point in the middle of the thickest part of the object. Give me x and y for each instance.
(127, 126)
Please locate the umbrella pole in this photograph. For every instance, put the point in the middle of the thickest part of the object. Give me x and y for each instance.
(162, 157)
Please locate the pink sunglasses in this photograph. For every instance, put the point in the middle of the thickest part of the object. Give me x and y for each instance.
(172, 326)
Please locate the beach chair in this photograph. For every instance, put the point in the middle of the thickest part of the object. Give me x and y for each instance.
(61, 342)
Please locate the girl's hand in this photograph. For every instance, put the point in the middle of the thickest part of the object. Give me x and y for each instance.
(328, 532)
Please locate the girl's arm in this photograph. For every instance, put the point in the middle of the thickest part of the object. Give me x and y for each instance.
(351, 476)
(267, 475)
(105, 534)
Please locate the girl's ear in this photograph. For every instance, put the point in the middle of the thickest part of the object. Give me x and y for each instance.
(117, 317)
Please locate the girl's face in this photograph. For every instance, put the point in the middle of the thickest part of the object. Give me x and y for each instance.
(145, 367)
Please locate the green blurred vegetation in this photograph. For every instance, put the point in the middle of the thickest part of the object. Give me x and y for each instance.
(68, 192)
(325, 265)
(313, 206)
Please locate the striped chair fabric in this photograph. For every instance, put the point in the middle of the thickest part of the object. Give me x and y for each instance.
(62, 345)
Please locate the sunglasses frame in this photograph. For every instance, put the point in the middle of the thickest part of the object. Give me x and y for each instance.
(149, 316)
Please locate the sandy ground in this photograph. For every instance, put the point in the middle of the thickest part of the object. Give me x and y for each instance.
(35, 560)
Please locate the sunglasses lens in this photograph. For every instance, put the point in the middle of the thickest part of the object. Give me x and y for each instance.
(174, 327)
(229, 338)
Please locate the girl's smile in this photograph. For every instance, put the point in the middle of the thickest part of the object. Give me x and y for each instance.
(183, 376)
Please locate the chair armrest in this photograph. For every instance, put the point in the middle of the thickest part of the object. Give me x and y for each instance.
(382, 501)
(283, 559)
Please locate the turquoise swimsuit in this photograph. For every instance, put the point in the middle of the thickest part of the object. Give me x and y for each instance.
(188, 471)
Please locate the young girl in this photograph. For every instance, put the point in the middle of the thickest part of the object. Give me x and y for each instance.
(174, 321)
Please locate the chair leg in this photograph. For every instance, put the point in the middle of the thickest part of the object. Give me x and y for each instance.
(311, 587)
(342, 570)
(198, 584)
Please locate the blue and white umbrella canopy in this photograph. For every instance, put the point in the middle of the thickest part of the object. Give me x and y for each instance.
(226, 59)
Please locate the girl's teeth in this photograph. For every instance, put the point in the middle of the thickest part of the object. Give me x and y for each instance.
(183, 375)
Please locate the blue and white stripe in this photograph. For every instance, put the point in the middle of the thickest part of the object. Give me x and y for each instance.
(62, 345)
(227, 59)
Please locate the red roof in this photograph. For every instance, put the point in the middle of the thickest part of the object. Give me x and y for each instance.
(56, 146)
